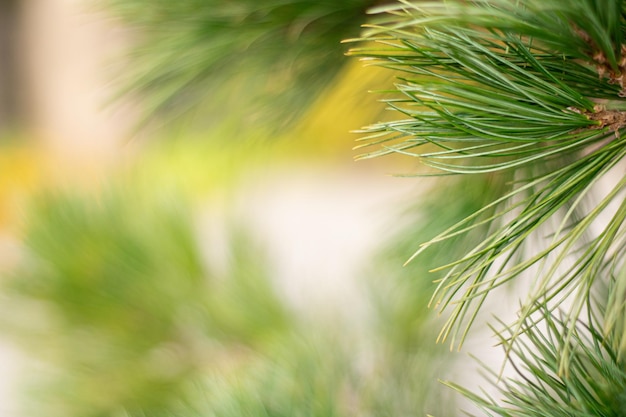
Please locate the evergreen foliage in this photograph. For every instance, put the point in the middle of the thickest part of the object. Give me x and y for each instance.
(139, 321)
(529, 96)
(498, 98)
(594, 383)
(130, 310)
(259, 63)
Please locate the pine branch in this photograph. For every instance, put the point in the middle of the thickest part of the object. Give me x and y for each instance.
(593, 385)
(260, 63)
(530, 91)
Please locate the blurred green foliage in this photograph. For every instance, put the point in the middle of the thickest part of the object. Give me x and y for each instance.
(409, 361)
(449, 201)
(305, 374)
(132, 308)
(259, 63)
(132, 318)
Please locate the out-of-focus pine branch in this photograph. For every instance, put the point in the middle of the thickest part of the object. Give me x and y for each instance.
(260, 63)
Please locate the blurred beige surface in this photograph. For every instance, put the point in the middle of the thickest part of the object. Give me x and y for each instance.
(68, 49)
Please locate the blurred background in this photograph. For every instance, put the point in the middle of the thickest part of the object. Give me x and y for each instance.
(183, 227)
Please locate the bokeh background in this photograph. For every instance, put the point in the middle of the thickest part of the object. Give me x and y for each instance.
(217, 262)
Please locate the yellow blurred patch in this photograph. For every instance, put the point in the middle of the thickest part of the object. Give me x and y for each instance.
(20, 175)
